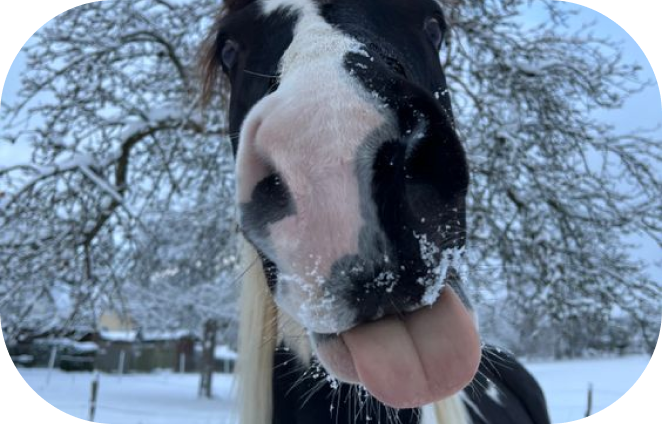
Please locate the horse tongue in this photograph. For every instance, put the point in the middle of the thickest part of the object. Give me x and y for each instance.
(421, 358)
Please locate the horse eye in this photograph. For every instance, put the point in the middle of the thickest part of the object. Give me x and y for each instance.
(229, 54)
(434, 32)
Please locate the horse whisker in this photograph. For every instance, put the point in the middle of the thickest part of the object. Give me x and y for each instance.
(259, 74)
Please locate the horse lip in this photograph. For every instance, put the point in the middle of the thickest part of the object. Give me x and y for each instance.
(319, 335)
(382, 314)
(333, 353)
(319, 338)
(389, 310)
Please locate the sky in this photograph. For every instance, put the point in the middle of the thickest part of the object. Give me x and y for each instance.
(643, 110)
(12, 154)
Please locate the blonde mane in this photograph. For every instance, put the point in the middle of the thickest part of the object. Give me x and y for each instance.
(257, 342)
(260, 325)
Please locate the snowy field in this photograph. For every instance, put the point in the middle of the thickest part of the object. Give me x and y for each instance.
(166, 398)
(159, 398)
(566, 383)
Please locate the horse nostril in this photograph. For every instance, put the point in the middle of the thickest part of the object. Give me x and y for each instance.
(436, 159)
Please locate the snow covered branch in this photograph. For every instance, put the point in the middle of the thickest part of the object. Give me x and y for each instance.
(110, 105)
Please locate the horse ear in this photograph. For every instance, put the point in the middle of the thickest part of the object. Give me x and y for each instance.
(208, 69)
(208, 66)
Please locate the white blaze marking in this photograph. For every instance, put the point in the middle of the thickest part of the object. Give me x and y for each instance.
(309, 131)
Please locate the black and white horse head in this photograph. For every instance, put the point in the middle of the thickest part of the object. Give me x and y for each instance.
(351, 185)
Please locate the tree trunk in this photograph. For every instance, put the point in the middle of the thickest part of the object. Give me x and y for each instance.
(207, 367)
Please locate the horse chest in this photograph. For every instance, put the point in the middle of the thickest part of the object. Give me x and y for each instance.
(304, 395)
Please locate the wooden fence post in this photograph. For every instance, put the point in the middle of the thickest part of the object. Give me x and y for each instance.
(207, 368)
(182, 363)
(51, 364)
(120, 365)
(93, 397)
(589, 406)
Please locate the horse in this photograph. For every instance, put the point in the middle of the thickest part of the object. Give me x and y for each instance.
(351, 185)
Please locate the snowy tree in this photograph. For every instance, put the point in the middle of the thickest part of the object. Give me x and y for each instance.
(191, 264)
(556, 193)
(122, 154)
(127, 199)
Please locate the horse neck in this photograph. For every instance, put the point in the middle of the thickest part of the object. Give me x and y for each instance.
(303, 393)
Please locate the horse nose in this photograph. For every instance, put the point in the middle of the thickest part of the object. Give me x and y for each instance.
(297, 180)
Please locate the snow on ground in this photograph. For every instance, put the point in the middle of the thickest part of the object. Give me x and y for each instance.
(159, 398)
(167, 398)
(566, 383)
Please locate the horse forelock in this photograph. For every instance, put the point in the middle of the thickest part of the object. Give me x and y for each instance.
(208, 65)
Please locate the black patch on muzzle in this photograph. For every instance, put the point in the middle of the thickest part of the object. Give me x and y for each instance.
(373, 288)
(419, 182)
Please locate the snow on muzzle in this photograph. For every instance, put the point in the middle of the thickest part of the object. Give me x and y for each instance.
(412, 360)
